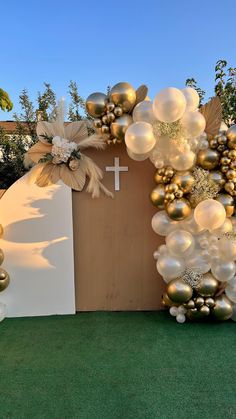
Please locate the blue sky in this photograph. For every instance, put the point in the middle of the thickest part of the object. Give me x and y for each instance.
(96, 43)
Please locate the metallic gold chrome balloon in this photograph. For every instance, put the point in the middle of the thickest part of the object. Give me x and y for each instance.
(178, 209)
(184, 180)
(123, 95)
(189, 304)
(208, 285)
(231, 136)
(228, 202)
(199, 301)
(110, 107)
(210, 302)
(120, 125)
(208, 159)
(178, 291)
(166, 301)
(97, 123)
(223, 308)
(1, 256)
(118, 111)
(205, 310)
(4, 279)
(157, 196)
(96, 104)
(217, 177)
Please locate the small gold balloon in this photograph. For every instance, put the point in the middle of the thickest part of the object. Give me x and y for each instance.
(4, 279)
(228, 203)
(110, 107)
(217, 177)
(199, 301)
(179, 291)
(179, 209)
(231, 174)
(172, 188)
(194, 314)
(105, 129)
(158, 177)
(232, 154)
(207, 286)
(184, 180)
(231, 136)
(190, 304)
(205, 310)
(166, 301)
(110, 117)
(208, 159)
(123, 95)
(210, 302)
(1, 256)
(120, 125)
(157, 196)
(118, 111)
(97, 123)
(96, 104)
(223, 308)
(105, 120)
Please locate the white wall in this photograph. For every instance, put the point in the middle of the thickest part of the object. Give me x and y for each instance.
(38, 248)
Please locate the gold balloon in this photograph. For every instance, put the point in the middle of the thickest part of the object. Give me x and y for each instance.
(208, 159)
(178, 209)
(118, 111)
(166, 301)
(217, 177)
(157, 196)
(228, 202)
(199, 301)
(208, 285)
(184, 180)
(223, 308)
(4, 279)
(194, 314)
(231, 136)
(1, 256)
(123, 95)
(210, 302)
(205, 310)
(97, 123)
(120, 125)
(158, 178)
(96, 104)
(179, 291)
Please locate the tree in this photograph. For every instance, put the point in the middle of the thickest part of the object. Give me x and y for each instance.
(76, 110)
(5, 101)
(192, 83)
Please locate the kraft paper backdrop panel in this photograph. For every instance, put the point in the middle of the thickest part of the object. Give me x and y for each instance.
(38, 247)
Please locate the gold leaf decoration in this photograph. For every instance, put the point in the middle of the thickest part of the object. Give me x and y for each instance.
(141, 94)
(38, 151)
(74, 179)
(212, 111)
(48, 176)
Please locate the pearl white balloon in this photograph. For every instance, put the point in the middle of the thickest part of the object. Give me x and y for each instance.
(227, 249)
(225, 228)
(223, 270)
(192, 98)
(190, 225)
(170, 267)
(143, 111)
(230, 290)
(139, 138)
(169, 105)
(197, 261)
(194, 123)
(137, 157)
(180, 318)
(161, 223)
(183, 161)
(180, 243)
(173, 311)
(209, 214)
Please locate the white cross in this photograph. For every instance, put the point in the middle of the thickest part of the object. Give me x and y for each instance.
(117, 169)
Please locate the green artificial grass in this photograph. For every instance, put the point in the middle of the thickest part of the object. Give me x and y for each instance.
(116, 365)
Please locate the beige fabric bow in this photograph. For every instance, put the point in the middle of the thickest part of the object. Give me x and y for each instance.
(48, 173)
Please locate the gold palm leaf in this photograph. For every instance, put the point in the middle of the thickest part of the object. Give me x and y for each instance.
(75, 179)
(49, 175)
(212, 111)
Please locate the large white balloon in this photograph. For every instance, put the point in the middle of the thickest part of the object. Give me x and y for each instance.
(227, 248)
(137, 157)
(223, 270)
(183, 161)
(209, 214)
(230, 290)
(190, 225)
(170, 267)
(194, 123)
(162, 224)
(225, 228)
(143, 111)
(139, 138)
(180, 243)
(169, 105)
(192, 98)
(198, 262)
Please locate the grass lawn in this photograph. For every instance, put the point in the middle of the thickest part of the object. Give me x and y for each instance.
(117, 365)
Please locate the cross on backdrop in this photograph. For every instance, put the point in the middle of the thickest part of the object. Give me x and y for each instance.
(117, 169)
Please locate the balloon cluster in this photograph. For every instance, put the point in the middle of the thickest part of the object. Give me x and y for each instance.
(195, 158)
(4, 279)
(111, 113)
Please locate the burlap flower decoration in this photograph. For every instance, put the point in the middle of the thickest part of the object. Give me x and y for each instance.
(58, 155)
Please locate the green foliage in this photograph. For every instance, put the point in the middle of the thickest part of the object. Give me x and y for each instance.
(5, 101)
(192, 83)
(77, 104)
(225, 88)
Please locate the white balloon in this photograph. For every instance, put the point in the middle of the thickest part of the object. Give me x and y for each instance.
(183, 161)
(230, 290)
(190, 225)
(173, 311)
(197, 261)
(143, 111)
(137, 157)
(139, 138)
(192, 98)
(161, 223)
(225, 228)
(180, 318)
(180, 243)
(223, 270)
(169, 105)
(209, 214)
(170, 267)
(182, 310)
(194, 123)
(227, 248)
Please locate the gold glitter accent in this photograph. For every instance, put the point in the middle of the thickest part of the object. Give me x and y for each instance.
(192, 277)
(231, 235)
(173, 130)
(203, 187)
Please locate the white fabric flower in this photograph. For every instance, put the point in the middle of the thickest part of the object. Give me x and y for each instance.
(62, 149)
